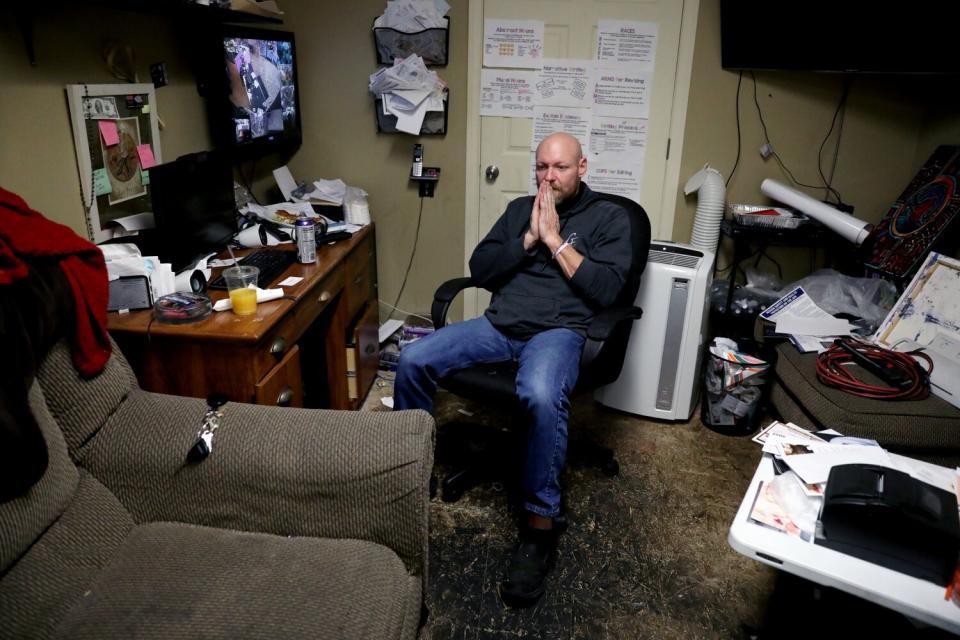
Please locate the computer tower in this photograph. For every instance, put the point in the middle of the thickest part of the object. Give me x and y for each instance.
(662, 367)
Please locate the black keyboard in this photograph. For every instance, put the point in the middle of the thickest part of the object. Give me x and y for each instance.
(271, 262)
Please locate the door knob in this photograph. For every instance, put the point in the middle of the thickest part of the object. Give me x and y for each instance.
(492, 172)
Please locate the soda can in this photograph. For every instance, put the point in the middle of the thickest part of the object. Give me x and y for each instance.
(306, 240)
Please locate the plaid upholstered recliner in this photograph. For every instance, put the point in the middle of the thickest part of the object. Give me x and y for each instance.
(301, 523)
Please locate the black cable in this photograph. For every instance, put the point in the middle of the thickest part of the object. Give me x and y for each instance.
(848, 83)
(766, 138)
(737, 161)
(840, 105)
(416, 237)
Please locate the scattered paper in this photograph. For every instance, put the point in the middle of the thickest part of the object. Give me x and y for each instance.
(796, 313)
(387, 402)
(289, 281)
(285, 181)
(813, 461)
(388, 328)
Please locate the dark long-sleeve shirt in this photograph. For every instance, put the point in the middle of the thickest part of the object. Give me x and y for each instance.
(530, 292)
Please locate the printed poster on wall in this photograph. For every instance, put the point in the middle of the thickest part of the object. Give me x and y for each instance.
(621, 139)
(633, 42)
(506, 93)
(617, 178)
(513, 43)
(547, 120)
(565, 83)
(622, 91)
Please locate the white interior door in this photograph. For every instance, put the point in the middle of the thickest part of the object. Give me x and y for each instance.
(570, 28)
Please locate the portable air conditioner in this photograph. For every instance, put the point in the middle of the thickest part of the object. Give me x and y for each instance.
(661, 369)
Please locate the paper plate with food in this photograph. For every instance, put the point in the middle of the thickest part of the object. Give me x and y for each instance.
(286, 213)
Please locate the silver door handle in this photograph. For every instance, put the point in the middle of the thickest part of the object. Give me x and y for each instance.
(492, 172)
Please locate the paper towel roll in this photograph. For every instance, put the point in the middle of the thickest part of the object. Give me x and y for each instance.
(356, 213)
(850, 228)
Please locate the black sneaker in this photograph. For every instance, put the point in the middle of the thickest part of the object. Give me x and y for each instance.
(531, 562)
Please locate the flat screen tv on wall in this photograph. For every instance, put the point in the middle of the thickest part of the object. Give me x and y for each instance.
(840, 36)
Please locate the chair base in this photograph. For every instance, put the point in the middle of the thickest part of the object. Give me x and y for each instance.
(489, 465)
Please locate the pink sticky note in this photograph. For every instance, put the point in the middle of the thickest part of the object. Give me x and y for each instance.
(146, 156)
(108, 129)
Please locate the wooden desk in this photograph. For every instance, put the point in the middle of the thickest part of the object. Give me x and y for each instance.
(292, 352)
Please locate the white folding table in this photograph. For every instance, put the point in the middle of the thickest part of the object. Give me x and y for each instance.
(918, 599)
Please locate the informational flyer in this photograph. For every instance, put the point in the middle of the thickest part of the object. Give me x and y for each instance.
(564, 83)
(633, 42)
(513, 43)
(547, 120)
(617, 178)
(618, 138)
(507, 93)
(622, 91)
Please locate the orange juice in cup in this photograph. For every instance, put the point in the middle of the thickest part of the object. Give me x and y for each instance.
(244, 301)
(241, 283)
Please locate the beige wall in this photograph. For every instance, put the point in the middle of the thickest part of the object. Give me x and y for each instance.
(892, 125)
(37, 158)
(335, 50)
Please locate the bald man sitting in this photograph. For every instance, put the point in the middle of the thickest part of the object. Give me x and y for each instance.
(552, 261)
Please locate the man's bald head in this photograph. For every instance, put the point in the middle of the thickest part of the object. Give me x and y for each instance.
(561, 164)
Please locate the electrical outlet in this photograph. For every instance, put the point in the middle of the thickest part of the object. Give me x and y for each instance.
(766, 150)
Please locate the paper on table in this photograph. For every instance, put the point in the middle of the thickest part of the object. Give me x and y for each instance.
(813, 462)
(828, 326)
(285, 181)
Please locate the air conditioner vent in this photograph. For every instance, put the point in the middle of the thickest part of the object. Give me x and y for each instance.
(675, 259)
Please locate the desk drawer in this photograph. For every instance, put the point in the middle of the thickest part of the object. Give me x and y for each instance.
(276, 345)
(282, 386)
(361, 276)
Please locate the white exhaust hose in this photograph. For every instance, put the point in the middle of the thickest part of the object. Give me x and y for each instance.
(848, 227)
(711, 197)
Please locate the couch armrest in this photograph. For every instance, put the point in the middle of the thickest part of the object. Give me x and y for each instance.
(292, 472)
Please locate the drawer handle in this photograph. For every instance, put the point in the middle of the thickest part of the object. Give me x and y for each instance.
(278, 347)
(358, 280)
(285, 397)
(369, 349)
(324, 297)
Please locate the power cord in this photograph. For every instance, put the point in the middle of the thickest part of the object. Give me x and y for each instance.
(841, 107)
(736, 162)
(416, 238)
(907, 380)
(766, 138)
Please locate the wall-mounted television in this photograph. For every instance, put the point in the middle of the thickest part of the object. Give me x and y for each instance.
(840, 36)
(253, 97)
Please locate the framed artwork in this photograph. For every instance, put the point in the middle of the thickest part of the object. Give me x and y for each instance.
(117, 138)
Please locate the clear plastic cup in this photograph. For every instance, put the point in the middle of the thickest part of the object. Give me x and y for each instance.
(242, 285)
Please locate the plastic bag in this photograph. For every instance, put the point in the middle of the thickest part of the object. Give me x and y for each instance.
(355, 207)
(867, 298)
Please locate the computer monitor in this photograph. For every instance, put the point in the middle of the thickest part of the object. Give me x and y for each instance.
(252, 91)
(193, 207)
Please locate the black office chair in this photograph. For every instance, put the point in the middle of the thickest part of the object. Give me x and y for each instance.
(494, 384)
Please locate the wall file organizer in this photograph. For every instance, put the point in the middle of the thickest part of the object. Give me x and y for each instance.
(430, 44)
(434, 123)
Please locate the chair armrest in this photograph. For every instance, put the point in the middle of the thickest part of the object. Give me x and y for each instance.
(291, 472)
(602, 327)
(443, 296)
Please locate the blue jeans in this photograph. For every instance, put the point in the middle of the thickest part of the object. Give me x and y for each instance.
(549, 365)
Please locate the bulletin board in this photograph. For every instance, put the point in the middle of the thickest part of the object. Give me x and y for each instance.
(117, 138)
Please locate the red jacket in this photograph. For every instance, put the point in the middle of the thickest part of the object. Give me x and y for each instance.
(26, 233)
